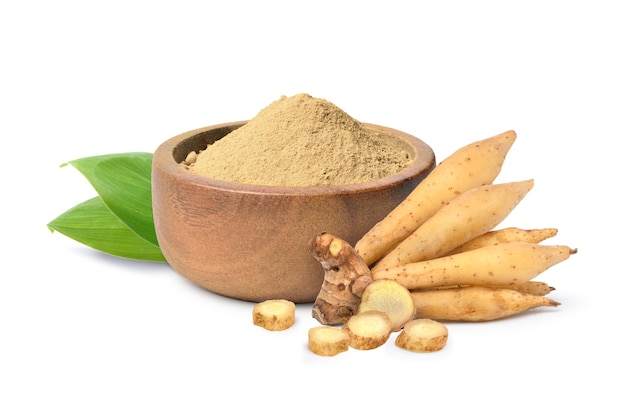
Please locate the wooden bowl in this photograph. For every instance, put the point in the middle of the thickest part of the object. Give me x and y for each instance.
(250, 242)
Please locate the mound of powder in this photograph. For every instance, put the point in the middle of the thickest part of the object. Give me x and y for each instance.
(301, 141)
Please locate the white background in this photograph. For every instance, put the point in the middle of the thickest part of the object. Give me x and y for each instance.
(90, 78)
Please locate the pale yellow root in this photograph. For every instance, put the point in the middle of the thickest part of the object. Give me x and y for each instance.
(475, 303)
(473, 165)
(368, 330)
(469, 215)
(505, 264)
(390, 297)
(423, 335)
(531, 287)
(527, 287)
(274, 314)
(510, 234)
(328, 341)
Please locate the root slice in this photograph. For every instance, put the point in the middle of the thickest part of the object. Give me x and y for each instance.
(423, 335)
(390, 297)
(368, 330)
(328, 341)
(274, 314)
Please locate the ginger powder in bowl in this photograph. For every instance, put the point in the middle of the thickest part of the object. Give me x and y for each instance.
(301, 141)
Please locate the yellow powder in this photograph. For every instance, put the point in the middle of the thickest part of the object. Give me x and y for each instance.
(301, 141)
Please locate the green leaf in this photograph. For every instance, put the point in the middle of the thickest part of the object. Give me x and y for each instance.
(93, 224)
(123, 182)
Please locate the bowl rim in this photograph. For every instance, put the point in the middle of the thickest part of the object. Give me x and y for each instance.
(423, 163)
